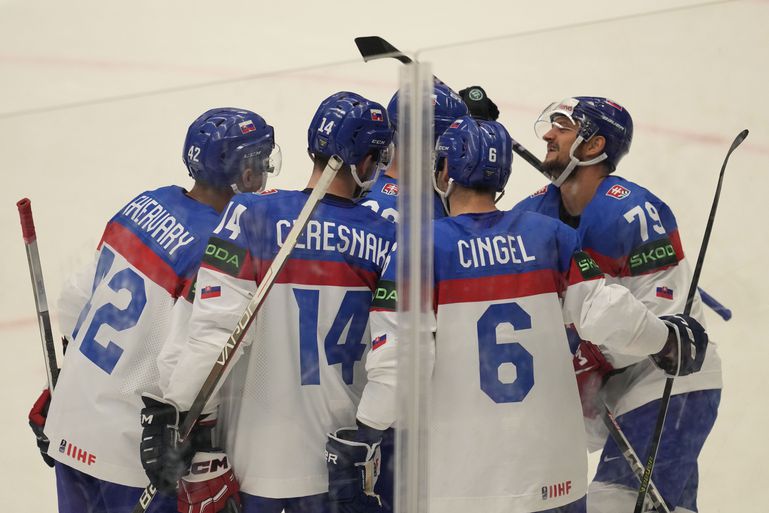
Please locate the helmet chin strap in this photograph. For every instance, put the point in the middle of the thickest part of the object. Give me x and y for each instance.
(365, 185)
(444, 196)
(574, 162)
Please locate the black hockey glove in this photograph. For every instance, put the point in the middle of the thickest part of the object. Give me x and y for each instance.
(684, 351)
(352, 460)
(163, 458)
(37, 417)
(479, 104)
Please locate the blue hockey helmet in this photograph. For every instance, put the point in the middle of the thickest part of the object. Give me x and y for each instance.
(593, 116)
(350, 126)
(447, 106)
(223, 142)
(479, 155)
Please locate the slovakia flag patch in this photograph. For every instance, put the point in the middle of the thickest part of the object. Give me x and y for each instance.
(664, 292)
(379, 342)
(391, 189)
(246, 127)
(210, 292)
(618, 192)
(376, 115)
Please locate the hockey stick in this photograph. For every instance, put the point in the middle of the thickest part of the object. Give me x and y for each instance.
(714, 305)
(632, 459)
(236, 337)
(374, 47)
(38, 289)
(665, 401)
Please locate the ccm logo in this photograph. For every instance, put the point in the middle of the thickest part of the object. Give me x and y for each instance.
(204, 467)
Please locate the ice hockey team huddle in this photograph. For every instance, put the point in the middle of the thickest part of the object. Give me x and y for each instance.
(556, 326)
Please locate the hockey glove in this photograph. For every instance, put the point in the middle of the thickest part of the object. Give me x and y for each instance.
(479, 104)
(591, 368)
(684, 351)
(352, 460)
(163, 458)
(210, 486)
(37, 417)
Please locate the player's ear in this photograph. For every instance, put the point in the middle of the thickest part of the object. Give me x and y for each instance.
(593, 147)
(251, 181)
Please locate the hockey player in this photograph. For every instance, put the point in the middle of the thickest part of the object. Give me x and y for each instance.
(116, 314)
(634, 237)
(302, 372)
(383, 195)
(506, 429)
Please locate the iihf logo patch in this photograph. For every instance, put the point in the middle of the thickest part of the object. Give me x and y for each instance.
(376, 115)
(391, 189)
(618, 192)
(540, 192)
(246, 127)
(63, 446)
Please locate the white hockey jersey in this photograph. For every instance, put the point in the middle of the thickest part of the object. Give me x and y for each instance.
(633, 236)
(506, 431)
(116, 315)
(299, 373)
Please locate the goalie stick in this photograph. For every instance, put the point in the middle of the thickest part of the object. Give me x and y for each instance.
(236, 337)
(665, 401)
(38, 290)
(375, 47)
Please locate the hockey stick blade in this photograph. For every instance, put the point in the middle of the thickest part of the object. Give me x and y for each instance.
(665, 400)
(249, 314)
(374, 47)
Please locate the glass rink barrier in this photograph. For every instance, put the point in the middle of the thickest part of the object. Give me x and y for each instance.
(247, 329)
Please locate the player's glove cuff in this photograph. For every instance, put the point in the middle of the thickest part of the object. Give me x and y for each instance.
(353, 462)
(163, 458)
(686, 346)
(37, 417)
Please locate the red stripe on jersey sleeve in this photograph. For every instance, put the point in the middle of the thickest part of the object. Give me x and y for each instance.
(490, 288)
(619, 268)
(131, 247)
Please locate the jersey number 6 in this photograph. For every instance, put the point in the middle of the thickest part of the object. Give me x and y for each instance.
(493, 356)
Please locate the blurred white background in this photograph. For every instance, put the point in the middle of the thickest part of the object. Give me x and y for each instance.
(96, 98)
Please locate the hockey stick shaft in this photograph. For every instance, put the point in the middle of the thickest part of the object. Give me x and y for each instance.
(665, 401)
(375, 47)
(632, 459)
(715, 305)
(236, 337)
(38, 290)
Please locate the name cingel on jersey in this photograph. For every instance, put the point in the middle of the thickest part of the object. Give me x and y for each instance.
(499, 249)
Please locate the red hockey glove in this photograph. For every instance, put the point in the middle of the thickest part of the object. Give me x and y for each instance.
(591, 367)
(210, 486)
(37, 418)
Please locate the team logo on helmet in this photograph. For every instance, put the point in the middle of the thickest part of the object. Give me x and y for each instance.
(246, 127)
(376, 115)
(455, 124)
(618, 192)
(613, 104)
(391, 189)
